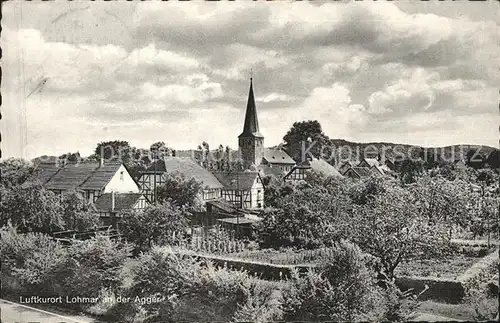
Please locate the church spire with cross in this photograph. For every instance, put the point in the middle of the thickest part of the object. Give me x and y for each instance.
(251, 141)
(251, 125)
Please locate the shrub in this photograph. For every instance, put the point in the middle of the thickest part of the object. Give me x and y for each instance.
(477, 294)
(341, 288)
(188, 289)
(35, 260)
(77, 212)
(94, 265)
(156, 225)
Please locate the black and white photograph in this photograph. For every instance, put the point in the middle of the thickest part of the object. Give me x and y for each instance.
(249, 161)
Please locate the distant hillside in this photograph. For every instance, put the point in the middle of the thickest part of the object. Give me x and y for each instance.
(391, 150)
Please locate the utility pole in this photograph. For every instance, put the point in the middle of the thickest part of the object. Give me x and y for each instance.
(154, 172)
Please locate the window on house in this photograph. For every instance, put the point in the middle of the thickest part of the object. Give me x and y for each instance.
(121, 176)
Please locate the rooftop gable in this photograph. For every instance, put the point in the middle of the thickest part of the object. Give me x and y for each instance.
(123, 201)
(188, 168)
(237, 180)
(277, 156)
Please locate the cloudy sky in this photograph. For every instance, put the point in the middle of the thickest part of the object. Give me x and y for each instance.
(76, 73)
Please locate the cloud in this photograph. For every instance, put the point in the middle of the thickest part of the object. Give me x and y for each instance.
(363, 70)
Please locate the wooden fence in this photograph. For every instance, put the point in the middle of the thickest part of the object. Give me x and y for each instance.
(214, 247)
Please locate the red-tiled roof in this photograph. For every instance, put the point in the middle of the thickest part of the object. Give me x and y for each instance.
(123, 201)
(101, 176)
(223, 205)
(363, 171)
(277, 156)
(237, 180)
(188, 168)
(371, 161)
(321, 166)
(42, 173)
(71, 176)
(274, 171)
(318, 165)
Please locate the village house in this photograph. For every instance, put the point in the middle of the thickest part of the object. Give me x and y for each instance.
(95, 180)
(244, 190)
(358, 172)
(277, 158)
(368, 162)
(155, 175)
(345, 166)
(110, 206)
(301, 170)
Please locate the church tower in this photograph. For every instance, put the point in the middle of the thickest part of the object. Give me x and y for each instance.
(251, 142)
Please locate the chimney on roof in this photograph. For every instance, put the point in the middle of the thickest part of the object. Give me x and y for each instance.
(112, 201)
(101, 160)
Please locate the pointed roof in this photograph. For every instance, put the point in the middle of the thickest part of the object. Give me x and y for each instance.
(251, 126)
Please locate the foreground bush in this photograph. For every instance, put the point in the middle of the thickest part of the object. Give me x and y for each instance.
(481, 296)
(156, 225)
(186, 289)
(342, 288)
(33, 260)
(93, 265)
(35, 264)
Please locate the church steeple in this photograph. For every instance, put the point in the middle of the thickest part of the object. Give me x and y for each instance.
(251, 126)
(251, 141)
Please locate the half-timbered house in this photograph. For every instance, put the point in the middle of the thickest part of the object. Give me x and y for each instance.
(301, 170)
(110, 206)
(243, 189)
(92, 178)
(155, 176)
(109, 187)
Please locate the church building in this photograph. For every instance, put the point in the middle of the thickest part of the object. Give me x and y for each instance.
(251, 143)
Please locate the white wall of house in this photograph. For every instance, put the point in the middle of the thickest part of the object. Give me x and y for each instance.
(122, 182)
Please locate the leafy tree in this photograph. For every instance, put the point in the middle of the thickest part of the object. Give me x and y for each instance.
(15, 171)
(364, 191)
(160, 150)
(411, 170)
(442, 201)
(275, 189)
(391, 228)
(157, 224)
(307, 133)
(183, 192)
(114, 150)
(32, 208)
(445, 170)
(305, 218)
(78, 213)
(493, 159)
(71, 157)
